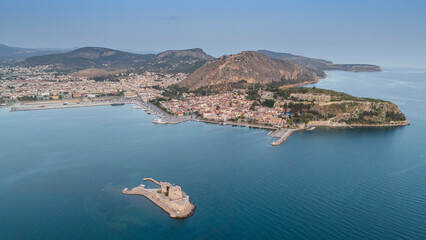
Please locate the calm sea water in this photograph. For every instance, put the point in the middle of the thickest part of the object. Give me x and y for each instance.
(62, 172)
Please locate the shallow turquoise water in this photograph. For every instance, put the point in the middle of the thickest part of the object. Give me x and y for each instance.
(62, 172)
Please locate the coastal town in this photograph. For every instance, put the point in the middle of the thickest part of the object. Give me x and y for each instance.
(29, 84)
(43, 83)
(294, 109)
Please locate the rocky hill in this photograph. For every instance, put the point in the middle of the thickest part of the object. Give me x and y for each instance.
(174, 61)
(247, 67)
(320, 65)
(336, 108)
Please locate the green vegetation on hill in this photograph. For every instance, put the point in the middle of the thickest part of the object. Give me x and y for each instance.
(335, 96)
(174, 91)
(175, 61)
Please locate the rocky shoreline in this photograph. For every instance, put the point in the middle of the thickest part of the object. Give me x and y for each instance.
(335, 124)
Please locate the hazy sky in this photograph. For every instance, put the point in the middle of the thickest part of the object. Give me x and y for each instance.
(384, 32)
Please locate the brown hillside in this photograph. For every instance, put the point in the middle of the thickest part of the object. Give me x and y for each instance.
(250, 67)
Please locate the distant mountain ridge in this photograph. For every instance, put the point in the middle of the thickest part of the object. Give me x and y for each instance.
(319, 65)
(89, 57)
(247, 67)
(171, 61)
(13, 54)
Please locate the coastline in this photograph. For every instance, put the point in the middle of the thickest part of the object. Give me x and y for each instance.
(237, 124)
(298, 84)
(283, 133)
(358, 125)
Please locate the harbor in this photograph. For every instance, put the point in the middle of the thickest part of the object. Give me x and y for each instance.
(163, 117)
(169, 197)
(149, 108)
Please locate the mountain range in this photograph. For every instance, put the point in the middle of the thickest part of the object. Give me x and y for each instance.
(172, 61)
(88, 58)
(14, 54)
(262, 66)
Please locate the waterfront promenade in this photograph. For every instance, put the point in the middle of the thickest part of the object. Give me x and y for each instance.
(239, 124)
(148, 107)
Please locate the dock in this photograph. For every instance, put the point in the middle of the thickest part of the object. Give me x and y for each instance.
(168, 197)
(154, 110)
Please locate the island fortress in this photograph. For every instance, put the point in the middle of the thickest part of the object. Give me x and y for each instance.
(168, 197)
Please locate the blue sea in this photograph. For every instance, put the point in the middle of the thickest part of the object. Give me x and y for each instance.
(62, 173)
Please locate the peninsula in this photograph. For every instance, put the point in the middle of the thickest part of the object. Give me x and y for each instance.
(168, 197)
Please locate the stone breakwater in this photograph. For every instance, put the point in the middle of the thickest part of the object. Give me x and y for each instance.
(283, 135)
(337, 124)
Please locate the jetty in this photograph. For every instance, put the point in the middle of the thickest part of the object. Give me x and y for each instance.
(168, 197)
(283, 134)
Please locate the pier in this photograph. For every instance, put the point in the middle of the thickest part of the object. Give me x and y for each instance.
(168, 197)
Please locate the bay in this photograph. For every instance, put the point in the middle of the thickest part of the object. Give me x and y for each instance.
(62, 172)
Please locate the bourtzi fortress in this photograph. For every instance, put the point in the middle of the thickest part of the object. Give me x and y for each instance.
(168, 197)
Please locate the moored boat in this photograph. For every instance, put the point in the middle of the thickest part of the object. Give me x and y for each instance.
(117, 104)
(159, 121)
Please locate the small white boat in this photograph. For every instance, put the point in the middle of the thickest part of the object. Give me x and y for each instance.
(159, 121)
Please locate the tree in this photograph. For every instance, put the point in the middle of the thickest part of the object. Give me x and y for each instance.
(269, 103)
